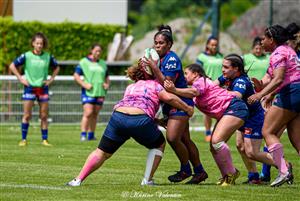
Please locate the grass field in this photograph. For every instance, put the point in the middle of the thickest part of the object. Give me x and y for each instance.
(40, 173)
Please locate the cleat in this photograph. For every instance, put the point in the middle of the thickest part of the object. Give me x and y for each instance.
(229, 179)
(23, 143)
(291, 175)
(147, 183)
(197, 178)
(178, 177)
(253, 181)
(82, 138)
(221, 180)
(280, 179)
(74, 182)
(264, 178)
(207, 138)
(46, 143)
(91, 139)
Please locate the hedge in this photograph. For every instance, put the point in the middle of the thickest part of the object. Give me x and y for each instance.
(67, 40)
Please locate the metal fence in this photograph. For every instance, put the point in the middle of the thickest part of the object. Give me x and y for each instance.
(65, 104)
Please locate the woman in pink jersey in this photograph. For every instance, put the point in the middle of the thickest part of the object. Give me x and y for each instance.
(283, 81)
(218, 103)
(133, 116)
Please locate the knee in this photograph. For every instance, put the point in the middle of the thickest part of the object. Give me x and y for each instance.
(26, 117)
(172, 139)
(250, 154)
(217, 146)
(43, 116)
(240, 147)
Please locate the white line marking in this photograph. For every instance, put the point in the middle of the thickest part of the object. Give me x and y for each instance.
(35, 187)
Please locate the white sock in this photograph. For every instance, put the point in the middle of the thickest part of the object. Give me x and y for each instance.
(150, 159)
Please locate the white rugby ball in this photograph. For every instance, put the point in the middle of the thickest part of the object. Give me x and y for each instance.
(151, 52)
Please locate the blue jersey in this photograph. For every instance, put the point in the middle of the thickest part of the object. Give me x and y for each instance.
(171, 66)
(243, 85)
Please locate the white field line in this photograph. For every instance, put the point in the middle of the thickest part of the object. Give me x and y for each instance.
(33, 186)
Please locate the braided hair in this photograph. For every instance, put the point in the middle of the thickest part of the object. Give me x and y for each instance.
(236, 61)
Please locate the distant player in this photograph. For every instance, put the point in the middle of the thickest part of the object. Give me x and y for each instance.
(218, 103)
(133, 116)
(211, 60)
(36, 66)
(94, 87)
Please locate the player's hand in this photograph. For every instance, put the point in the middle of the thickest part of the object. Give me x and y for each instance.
(267, 101)
(190, 111)
(258, 84)
(48, 82)
(169, 86)
(24, 82)
(87, 86)
(105, 86)
(149, 62)
(255, 97)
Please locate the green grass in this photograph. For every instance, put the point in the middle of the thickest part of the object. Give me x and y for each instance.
(40, 173)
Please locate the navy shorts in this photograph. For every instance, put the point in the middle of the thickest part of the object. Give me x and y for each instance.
(140, 127)
(289, 97)
(253, 126)
(92, 100)
(237, 108)
(41, 94)
(168, 110)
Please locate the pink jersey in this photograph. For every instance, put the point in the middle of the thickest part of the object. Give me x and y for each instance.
(284, 56)
(213, 100)
(143, 95)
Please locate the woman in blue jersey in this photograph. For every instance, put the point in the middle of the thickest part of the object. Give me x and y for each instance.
(178, 134)
(235, 79)
(36, 66)
(94, 86)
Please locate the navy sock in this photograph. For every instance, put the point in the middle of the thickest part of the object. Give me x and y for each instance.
(91, 135)
(83, 134)
(44, 134)
(24, 128)
(198, 169)
(208, 132)
(186, 168)
(266, 169)
(253, 176)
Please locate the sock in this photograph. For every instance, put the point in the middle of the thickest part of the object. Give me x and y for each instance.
(91, 135)
(150, 161)
(44, 134)
(276, 151)
(186, 168)
(253, 176)
(223, 159)
(89, 167)
(24, 128)
(83, 134)
(208, 132)
(266, 169)
(198, 169)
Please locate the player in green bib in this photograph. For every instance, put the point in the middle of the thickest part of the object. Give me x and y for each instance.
(36, 65)
(256, 62)
(211, 60)
(94, 87)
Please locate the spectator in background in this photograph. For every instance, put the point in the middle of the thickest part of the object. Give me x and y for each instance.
(211, 60)
(94, 87)
(36, 66)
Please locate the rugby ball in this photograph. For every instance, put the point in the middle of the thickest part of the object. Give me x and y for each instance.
(150, 52)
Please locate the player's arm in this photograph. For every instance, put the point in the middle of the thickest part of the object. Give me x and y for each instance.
(184, 92)
(55, 72)
(79, 81)
(175, 101)
(106, 83)
(13, 67)
(156, 71)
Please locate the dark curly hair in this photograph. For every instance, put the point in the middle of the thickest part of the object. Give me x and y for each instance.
(137, 72)
(42, 36)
